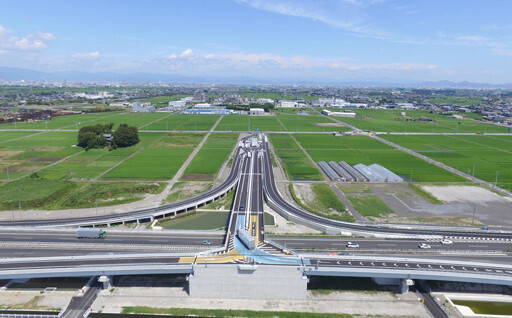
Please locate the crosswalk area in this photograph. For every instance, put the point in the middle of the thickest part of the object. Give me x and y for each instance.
(271, 249)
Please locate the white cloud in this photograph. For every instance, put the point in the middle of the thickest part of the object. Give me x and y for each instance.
(46, 36)
(349, 15)
(4, 31)
(37, 41)
(187, 53)
(86, 56)
(172, 56)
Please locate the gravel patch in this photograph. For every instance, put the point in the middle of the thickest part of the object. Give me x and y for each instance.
(465, 194)
(383, 304)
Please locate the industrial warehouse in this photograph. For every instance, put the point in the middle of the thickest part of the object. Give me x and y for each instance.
(342, 171)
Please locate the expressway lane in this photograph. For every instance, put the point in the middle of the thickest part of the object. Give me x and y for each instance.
(82, 262)
(413, 264)
(387, 244)
(119, 237)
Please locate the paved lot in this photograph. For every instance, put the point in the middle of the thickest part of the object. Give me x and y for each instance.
(383, 304)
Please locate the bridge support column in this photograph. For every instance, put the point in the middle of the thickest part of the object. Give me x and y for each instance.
(106, 281)
(404, 285)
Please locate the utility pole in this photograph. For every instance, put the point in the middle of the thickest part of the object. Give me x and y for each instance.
(474, 166)
(495, 182)
(96, 207)
(21, 215)
(7, 168)
(474, 209)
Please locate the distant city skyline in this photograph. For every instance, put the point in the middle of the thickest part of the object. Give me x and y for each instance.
(343, 40)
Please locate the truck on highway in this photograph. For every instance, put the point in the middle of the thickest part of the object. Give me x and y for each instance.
(246, 238)
(90, 232)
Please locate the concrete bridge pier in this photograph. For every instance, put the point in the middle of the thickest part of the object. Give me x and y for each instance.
(106, 281)
(402, 283)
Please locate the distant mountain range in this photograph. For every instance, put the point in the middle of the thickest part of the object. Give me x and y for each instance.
(20, 74)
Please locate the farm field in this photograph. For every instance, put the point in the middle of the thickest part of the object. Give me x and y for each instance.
(210, 157)
(489, 155)
(365, 150)
(184, 122)
(139, 120)
(66, 122)
(161, 161)
(389, 120)
(6, 136)
(295, 162)
(370, 206)
(43, 194)
(233, 123)
(313, 123)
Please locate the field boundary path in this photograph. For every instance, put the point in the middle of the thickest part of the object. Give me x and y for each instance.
(437, 163)
(184, 166)
(52, 164)
(156, 120)
(118, 164)
(347, 203)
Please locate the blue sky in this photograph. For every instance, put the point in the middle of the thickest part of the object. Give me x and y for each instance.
(341, 40)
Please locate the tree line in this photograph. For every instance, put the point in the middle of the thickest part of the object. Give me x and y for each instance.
(102, 136)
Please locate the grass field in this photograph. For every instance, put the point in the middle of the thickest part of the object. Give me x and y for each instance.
(365, 150)
(58, 194)
(489, 155)
(295, 162)
(369, 206)
(389, 120)
(189, 312)
(210, 157)
(198, 221)
(325, 203)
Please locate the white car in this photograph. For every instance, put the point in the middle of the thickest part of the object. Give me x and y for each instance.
(446, 241)
(352, 244)
(424, 245)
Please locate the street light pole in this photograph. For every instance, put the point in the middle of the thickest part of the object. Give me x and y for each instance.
(495, 182)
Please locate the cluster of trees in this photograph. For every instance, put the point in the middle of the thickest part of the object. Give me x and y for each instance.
(101, 136)
(267, 107)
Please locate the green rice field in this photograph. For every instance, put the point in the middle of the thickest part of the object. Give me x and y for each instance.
(313, 123)
(183, 122)
(365, 150)
(66, 122)
(389, 120)
(210, 157)
(490, 156)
